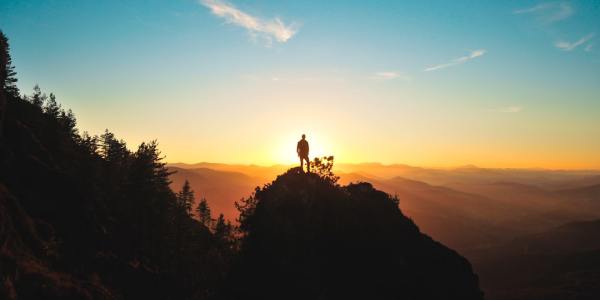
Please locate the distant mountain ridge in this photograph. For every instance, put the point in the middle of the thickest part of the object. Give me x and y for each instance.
(543, 178)
(463, 213)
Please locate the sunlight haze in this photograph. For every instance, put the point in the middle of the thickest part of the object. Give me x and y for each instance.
(442, 84)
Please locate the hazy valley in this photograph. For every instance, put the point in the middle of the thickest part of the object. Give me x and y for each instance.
(502, 220)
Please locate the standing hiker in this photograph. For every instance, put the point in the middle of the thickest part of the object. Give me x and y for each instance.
(302, 150)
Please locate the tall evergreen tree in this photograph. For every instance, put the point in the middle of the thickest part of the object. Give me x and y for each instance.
(223, 231)
(3, 61)
(203, 211)
(38, 98)
(68, 121)
(88, 144)
(185, 198)
(7, 70)
(112, 150)
(8, 81)
(149, 196)
(52, 108)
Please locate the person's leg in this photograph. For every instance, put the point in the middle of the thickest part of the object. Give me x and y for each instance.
(302, 164)
(307, 164)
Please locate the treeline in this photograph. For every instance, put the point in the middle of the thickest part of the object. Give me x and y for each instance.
(101, 210)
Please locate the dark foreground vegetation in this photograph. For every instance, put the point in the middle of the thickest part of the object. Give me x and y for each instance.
(83, 217)
(308, 238)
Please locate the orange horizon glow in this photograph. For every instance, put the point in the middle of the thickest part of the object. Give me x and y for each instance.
(442, 166)
(281, 151)
(277, 147)
(505, 95)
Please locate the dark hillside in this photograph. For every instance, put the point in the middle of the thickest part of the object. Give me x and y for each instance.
(83, 217)
(308, 238)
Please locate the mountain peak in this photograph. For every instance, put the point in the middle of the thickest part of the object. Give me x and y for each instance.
(305, 233)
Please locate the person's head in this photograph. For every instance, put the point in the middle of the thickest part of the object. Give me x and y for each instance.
(303, 136)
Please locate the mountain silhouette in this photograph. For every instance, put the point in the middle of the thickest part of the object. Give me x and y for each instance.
(306, 237)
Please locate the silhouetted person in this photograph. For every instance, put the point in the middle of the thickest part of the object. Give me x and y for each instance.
(302, 150)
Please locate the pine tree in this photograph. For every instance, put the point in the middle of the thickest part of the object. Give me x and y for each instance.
(7, 70)
(223, 231)
(203, 211)
(88, 144)
(52, 108)
(112, 150)
(38, 98)
(148, 194)
(185, 198)
(68, 121)
(8, 81)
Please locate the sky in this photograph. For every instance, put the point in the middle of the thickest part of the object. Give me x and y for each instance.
(509, 84)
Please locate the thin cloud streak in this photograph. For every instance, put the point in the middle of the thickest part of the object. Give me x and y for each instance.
(268, 29)
(458, 61)
(389, 75)
(512, 109)
(549, 12)
(567, 46)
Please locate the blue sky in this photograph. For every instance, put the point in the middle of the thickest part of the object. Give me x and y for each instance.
(440, 83)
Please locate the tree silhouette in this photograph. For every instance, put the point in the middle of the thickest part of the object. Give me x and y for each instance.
(324, 168)
(68, 122)
(203, 211)
(185, 198)
(37, 98)
(8, 79)
(223, 232)
(112, 150)
(52, 108)
(7, 70)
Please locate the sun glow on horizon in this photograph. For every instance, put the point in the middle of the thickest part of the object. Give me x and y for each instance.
(505, 95)
(284, 151)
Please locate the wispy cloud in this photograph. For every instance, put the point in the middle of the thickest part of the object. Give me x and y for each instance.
(549, 12)
(268, 29)
(458, 61)
(389, 75)
(568, 46)
(294, 78)
(509, 109)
